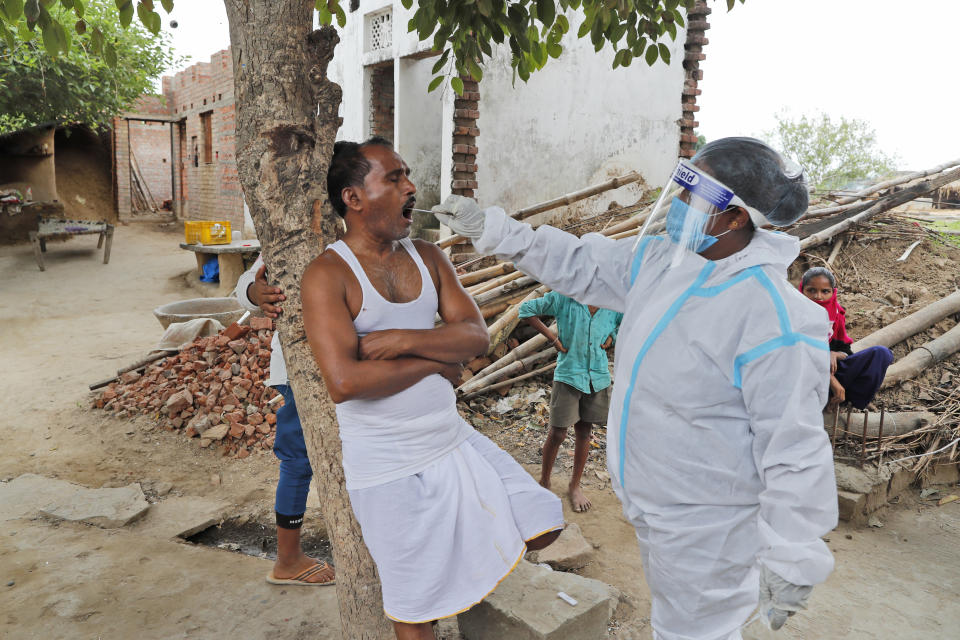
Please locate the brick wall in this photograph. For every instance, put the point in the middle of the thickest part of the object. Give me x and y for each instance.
(205, 190)
(697, 26)
(466, 112)
(150, 144)
(381, 101)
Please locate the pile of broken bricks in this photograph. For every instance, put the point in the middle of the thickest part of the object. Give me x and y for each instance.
(213, 389)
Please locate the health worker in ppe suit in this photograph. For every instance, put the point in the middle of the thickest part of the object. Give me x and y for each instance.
(716, 443)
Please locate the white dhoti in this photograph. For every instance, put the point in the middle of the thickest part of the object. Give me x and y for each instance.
(444, 538)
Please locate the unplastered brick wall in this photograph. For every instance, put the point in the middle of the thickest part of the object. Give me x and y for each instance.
(150, 144)
(697, 27)
(200, 101)
(201, 97)
(466, 112)
(382, 101)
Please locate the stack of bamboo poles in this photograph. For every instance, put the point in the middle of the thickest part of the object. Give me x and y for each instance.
(499, 290)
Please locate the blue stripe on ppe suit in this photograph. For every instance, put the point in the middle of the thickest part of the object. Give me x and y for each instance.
(723, 460)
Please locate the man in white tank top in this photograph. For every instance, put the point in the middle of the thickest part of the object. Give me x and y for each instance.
(445, 513)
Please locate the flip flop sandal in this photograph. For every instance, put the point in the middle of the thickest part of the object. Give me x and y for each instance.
(303, 577)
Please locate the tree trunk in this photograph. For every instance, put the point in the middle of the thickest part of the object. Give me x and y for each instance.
(927, 355)
(286, 122)
(911, 325)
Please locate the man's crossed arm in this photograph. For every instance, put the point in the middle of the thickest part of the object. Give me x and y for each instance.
(383, 363)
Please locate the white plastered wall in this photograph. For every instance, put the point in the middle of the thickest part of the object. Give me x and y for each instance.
(577, 122)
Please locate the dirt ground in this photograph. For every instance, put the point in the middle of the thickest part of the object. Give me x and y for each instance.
(80, 320)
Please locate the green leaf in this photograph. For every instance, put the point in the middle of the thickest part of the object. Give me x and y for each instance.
(546, 12)
(341, 17)
(50, 41)
(66, 4)
(457, 85)
(554, 50)
(9, 37)
(664, 52)
(13, 9)
(563, 22)
(126, 13)
(167, 5)
(32, 10)
(442, 61)
(324, 15)
(651, 55)
(475, 71)
(110, 54)
(79, 8)
(96, 37)
(585, 27)
(485, 7)
(618, 58)
(436, 82)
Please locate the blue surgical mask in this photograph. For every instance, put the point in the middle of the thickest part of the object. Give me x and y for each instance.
(681, 216)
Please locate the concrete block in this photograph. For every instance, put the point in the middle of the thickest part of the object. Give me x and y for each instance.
(181, 517)
(570, 551)
(852, 506)
(525, 607)
(900, 481)
(943, 474)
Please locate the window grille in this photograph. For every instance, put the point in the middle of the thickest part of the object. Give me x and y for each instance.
(380, 30)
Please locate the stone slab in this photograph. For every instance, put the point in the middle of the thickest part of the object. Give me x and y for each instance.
(109, 508)
(526, 607)
(570, 551)
(182, 517)
(30, 495)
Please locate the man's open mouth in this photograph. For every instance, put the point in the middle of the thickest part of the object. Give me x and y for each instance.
(408, 209)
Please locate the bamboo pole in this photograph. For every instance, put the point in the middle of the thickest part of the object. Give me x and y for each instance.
(911, 325)
(493, 283)
(885, 204)
(532, 345)
(505, 289)
(910, 177)
(480, 275)
(494, 310)
(511, 381)
(515, 368)
(915, 362)
(505, 324)
(564, 200)
(902, 422)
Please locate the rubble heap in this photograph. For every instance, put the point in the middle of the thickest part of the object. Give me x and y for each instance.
(213, 389)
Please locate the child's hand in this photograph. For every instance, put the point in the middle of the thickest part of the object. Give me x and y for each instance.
(607, 344)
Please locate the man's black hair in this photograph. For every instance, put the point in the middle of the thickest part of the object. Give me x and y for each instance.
(348, 168)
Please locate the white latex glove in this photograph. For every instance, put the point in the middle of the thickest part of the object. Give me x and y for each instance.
(463, 215)
(780, 599)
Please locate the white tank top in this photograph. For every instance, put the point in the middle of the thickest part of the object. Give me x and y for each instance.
(397, 436)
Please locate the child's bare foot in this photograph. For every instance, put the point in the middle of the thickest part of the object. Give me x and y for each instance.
(579, 501)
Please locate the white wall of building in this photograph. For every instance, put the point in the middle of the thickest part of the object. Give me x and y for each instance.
(575, 123)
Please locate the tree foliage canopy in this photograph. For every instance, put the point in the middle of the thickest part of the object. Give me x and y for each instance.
(90, 80)
(832, 152)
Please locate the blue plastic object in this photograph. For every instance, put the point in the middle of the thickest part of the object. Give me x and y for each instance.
(211, 270)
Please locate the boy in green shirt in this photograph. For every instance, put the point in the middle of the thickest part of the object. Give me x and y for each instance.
(581, 381)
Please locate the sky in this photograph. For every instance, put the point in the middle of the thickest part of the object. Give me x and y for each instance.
(890, 63)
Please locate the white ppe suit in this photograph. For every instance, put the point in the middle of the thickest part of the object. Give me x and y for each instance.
(715, 439)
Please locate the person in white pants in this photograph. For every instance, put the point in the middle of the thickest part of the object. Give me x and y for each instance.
(716, 443)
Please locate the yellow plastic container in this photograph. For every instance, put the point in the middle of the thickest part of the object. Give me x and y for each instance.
(207, 231)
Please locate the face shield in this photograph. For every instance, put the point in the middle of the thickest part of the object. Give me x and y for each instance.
(685, 208)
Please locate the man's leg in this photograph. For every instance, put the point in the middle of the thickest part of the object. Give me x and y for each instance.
(291, 499)
(550, 448)
(418, 631)
(580, 454)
